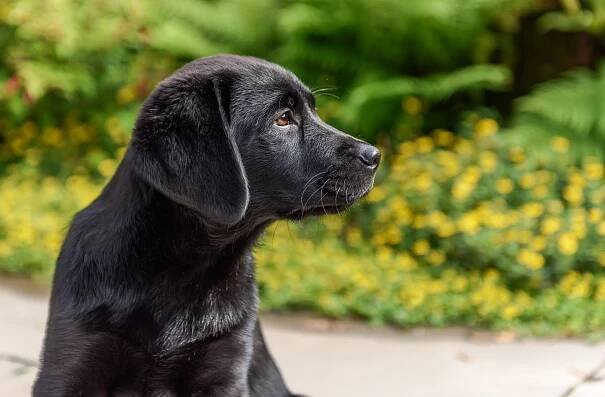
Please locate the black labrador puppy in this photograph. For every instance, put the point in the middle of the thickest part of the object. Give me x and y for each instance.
(154, 292)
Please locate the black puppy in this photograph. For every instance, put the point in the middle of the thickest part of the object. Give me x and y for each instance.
(154, 291)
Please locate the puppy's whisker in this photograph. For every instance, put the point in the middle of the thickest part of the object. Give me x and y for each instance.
(321, 198)
(305, 188)
(307, 185)
(346, 194)
(327, 94)
(323, 89)
(311, 196)
(273, 238)
(336, 198)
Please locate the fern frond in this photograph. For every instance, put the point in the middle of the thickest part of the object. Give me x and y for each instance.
(432, 88)
(572, 106)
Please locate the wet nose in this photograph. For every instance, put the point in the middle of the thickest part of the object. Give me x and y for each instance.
(369, 156)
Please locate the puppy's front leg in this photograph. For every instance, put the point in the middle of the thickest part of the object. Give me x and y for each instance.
(264, 377)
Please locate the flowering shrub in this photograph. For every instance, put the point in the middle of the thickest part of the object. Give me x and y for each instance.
(460, 231)
(482, 204)
(457, 231)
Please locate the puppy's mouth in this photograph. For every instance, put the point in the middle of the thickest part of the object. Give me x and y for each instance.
(329, 198)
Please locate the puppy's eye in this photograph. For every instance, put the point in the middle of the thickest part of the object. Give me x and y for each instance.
(283, 120)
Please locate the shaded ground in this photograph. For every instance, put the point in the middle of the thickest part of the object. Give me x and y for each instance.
(326, 358)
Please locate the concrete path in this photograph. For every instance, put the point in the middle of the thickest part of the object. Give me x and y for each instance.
(331, 359)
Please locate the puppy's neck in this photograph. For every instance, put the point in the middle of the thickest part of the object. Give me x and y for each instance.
(172, 228)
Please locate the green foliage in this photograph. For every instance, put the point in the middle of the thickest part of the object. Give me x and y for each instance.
(434, 88)
(89, 62)
(458, 231)
(360, 47)
(575, 18)
(573, 106)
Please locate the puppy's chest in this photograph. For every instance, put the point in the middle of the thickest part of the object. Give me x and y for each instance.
(211, 316)
(203, 345)
(205, 307)
(213, 367)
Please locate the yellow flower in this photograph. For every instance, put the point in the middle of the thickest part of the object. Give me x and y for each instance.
(406, 262)
(435, 258)
(533, 210)
(5, 248)
(485, 127)
(80, 133)
(411, 105)
(421, 247)
(406, 149)
(530, 259)
(575, 285)
(560, 144)
(461, 190)
(567, 243)
(378, 239)
(594, 170)
(126, 94)
(424, 144)
(420, 221)
(52, 136)
(504, 185)
(555, 206)
(540, 191)
(550, 225)
(120, 152)
(516, 155)
(600, 291)
(601, 229)
(595, 215)
(107, 167)
(469, 224)
(509, 312)
(392, 234)
(488, 161)
(377, 194)
(527, 181)
(424, 182)
(449, 163)
(446, 229)
(573, 194)
(539, 243)
(465, 147)
(443, 137)
(384, 254)
(353, 236)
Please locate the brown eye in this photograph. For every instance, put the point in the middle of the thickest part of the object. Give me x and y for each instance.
(283, 120)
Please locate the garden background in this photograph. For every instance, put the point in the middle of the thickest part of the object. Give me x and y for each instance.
(488, 210)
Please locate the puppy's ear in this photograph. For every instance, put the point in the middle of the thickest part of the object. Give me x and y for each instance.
(183, 145)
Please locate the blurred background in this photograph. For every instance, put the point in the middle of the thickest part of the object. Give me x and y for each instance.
(488, 211)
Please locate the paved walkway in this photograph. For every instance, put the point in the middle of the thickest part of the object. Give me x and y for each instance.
(330, 359)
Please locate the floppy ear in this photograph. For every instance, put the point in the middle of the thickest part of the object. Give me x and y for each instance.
(183, 145)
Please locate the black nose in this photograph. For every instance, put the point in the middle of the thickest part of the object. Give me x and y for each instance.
(369, 156)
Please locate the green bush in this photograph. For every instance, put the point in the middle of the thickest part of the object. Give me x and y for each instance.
(572, 106)
(463, 228)
(72, 63)
(458, 231)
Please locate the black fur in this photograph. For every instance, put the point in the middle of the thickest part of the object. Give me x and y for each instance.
(154, 292)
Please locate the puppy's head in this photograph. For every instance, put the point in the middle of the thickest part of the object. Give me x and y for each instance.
(229, 136)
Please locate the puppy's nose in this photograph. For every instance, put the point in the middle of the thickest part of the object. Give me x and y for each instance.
(369, 156)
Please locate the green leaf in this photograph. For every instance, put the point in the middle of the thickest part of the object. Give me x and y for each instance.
(433, 88)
